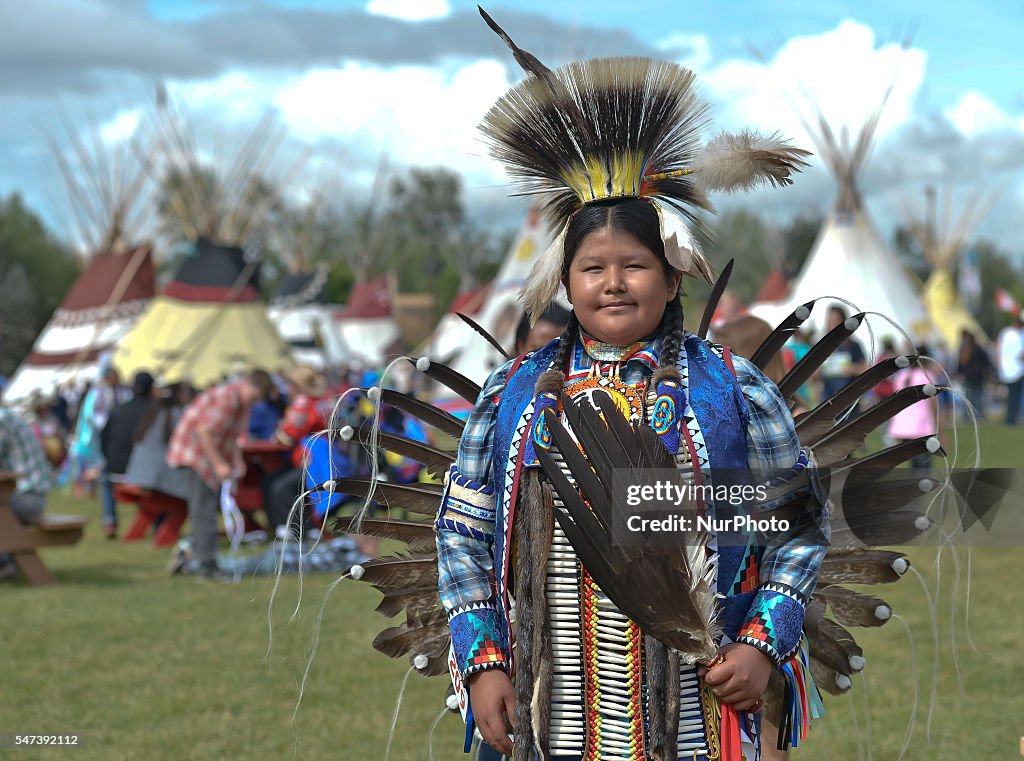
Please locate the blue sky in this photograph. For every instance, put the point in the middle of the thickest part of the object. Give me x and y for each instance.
(352, 79)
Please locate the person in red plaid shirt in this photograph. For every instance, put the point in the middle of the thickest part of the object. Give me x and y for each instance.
(205, 449)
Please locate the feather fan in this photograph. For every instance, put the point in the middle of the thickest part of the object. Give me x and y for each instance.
(643, 580)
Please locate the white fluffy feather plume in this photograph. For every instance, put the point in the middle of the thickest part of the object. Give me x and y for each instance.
(741, 161)
(545, 277)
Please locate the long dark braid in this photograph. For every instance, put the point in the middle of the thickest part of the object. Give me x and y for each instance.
(671, 344)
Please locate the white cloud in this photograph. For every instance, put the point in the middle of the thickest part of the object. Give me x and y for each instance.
(698, 44)
(121, 126)
(419, 115)
(975, 113)
(840, 72)
(409, 10)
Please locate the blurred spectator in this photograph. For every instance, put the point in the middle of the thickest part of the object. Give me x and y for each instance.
(61, 408)
(917, 420)
(266, 415)
(550, 325)
(205, 449)
(887, 386)
(85, 454)
(305, 415)
(147, 466)
(48, 429)
(1011, 366)
(116, 441)
(23, 455)
(327, 459)
(974, 368)
(845, 363)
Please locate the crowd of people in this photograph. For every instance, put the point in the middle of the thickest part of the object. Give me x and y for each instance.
(985, 378)
(169, 439)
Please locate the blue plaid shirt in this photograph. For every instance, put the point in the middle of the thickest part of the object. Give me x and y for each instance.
(467, 567)
(22, 454)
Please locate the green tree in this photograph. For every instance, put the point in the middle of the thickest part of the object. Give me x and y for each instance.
(996, 271)
(35, 273)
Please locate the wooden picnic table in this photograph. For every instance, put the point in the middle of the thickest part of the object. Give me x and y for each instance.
(23, 540)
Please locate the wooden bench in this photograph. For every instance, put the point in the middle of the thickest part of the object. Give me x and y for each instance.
(22, 541)
(152, 505)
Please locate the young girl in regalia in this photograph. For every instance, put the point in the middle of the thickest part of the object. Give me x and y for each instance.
(554, 668)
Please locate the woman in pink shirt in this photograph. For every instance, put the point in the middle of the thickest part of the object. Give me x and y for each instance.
(918, 419)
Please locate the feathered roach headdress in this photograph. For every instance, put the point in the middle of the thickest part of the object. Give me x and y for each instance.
(621, 128)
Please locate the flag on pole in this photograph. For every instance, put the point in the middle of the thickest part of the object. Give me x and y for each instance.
(970, 280)
(1005, 302)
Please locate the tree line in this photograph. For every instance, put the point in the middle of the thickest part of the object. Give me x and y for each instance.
(416, 227)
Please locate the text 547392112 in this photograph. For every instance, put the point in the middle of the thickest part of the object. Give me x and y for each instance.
(15, 739)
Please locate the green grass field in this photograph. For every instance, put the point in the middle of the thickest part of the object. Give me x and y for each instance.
(166, 669)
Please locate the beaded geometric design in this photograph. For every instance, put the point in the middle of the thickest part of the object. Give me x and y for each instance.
(628, 400)
(759, 628)
(664, 415)
(747, 575)
(484, 651)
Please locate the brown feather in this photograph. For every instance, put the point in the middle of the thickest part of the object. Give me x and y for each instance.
(396, 641)
(825, 678)
(529, 62)
(428, 413)
(643, 581)
(416, 603)
(860, 567)
(401, 572)
(454, 381)
(436, 461)
(713, 299)
(816, 356)
(814, 424)
(422, 499)
(419, 537)
(483, 333)
(883, 462)
(852, 608)
(879, 529)
(778, 337)
(835, 447)
(835, 647)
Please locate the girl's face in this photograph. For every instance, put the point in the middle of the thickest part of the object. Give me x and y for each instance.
(618, 287)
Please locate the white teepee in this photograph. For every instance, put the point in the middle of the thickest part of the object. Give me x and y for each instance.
(849, 259)
(108, 199)
(458, 344)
